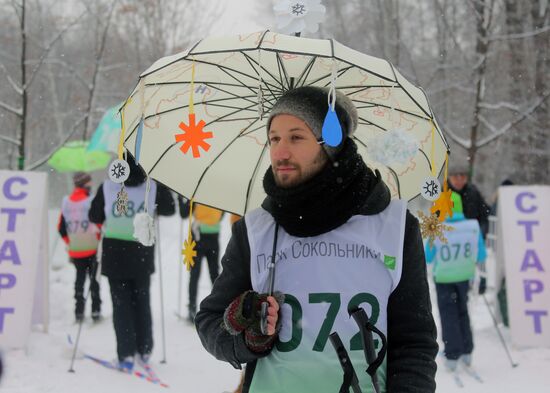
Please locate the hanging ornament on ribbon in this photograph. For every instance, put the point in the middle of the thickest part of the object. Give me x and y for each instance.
(119, 170)
(189, 252)
(144, 224)
(121, 202)
(443, 206)
(430, 189)
(395, 146)
(193, 136)
(431, 228)
(332, 129)
(296, 16)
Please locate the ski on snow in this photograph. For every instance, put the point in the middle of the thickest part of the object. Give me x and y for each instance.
(468, 371)
(149, 375)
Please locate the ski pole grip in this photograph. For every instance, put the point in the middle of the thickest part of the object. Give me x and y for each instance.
(263, 318)
(361, 318)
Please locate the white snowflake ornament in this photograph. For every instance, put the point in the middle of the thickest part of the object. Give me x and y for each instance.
(395, 146)
(296, 16)
(430, 188)
(119, 170)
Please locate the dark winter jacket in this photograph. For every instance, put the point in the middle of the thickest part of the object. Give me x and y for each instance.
(412, 345)
(123, 259)
(474, 206)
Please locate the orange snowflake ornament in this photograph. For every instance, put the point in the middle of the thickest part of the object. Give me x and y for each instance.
(444, 205)
(193, 136)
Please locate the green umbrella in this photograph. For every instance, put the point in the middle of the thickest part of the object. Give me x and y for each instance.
(74, 156)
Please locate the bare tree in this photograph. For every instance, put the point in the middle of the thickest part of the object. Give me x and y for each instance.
(27, 76)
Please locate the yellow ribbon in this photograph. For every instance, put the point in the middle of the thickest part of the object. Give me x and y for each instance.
(445, 186)
(192, 86)
(122, 128)
(433, 149)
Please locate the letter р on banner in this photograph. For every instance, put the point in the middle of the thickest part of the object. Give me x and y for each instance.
(524, 246)
(24, 255)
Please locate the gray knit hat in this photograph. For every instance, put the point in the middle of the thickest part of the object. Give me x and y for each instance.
(458, 166)
(310, 103)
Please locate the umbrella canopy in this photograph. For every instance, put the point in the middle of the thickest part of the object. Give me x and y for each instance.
(107, 133)
(218, 156)
(74, 156)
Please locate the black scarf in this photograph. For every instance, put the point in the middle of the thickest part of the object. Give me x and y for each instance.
(325, 201)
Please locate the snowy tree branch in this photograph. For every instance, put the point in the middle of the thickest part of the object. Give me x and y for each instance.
(462, 142)
(500, 105)
(49, 48)
(517, 36)
(11, 109)
(45, 158)
(498, 133)
(10, 140)
(13, 84)
(70, 68)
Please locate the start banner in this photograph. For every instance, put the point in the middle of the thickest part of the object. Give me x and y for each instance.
(524, 227)
(23, 255)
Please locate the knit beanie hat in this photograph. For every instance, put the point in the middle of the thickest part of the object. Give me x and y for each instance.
(310, 103)
(80, 179)
(458, 166)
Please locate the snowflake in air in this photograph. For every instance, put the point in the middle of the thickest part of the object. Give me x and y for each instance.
(296, 16)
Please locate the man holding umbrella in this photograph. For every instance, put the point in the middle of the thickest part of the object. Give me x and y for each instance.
(337, 242)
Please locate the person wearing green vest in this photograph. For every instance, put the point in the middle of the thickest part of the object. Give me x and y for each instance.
(127, 263)
(454, 266)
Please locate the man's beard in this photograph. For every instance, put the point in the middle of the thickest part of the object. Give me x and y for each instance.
(303, 176)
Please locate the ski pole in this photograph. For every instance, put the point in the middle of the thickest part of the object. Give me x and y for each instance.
(180, 274)
(350, 377)
(71, 367)
(366, 328)
(159, 255)
(514, 364)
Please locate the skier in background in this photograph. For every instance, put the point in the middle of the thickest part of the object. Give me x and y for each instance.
(454, 266)
(206, 232)
(82, 239)
(127, 263)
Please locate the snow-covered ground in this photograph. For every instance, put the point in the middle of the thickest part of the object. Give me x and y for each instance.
(43, 367)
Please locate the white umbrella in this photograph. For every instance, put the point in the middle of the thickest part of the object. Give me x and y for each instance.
(230, 83)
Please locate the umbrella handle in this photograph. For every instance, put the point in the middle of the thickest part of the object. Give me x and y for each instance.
(263, 318)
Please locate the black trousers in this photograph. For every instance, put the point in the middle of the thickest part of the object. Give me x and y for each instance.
(207, 247)
(452, 300)
(132, 316)
(86, 267)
